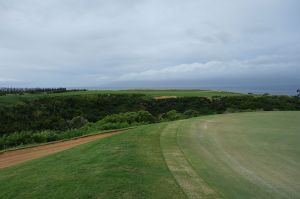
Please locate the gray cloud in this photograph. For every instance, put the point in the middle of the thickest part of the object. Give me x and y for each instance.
(103, 43)
(5, 80)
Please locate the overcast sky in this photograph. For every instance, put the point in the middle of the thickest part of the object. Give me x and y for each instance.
(149, 43)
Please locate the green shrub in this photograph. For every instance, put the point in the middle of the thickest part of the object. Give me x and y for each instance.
(26, 137)
(79, 126)
(131, 118)
(231, 110)
(191, 113)
(170, 116)
(77, 122)
(119, 125)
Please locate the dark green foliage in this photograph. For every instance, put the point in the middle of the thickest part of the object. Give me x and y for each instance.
(77, 122)
(170, 116)
(201, 104)
(24, 138)
(190, 113)
(124, 120)
(55, 113)
(115, 121)
(141, 117)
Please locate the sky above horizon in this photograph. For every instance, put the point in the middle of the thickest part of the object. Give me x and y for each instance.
(149, 43)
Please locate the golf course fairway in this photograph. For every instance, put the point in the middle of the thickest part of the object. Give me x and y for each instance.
(240, 155)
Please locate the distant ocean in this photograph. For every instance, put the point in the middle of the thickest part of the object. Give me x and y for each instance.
(275, 90)
(283, 90)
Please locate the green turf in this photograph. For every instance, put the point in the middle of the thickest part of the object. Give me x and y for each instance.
(242, 155)
(129, 165)
(11, 99)
(245, 155)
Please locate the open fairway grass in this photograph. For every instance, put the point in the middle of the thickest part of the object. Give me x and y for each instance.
(11, 99)
(243, 155)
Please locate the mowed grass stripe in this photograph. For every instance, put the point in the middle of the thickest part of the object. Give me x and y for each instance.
(187, 178)
(246, 155)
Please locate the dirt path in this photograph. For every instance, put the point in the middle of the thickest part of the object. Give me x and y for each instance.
(14, 157)
(164, 97)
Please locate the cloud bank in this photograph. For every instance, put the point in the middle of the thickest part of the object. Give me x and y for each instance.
(135, 43)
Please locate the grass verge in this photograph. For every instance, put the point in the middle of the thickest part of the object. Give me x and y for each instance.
(128, 165)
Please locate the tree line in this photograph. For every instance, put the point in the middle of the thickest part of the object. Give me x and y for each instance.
(8, 90)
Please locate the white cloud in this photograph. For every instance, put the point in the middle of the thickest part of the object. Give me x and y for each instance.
(259, 66)
(2, 79)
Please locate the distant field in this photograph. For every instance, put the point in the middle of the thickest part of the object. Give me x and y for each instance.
(243, 155)
(11, 99)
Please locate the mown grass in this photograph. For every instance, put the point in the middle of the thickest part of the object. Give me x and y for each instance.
(242, 155)
(128, 165)
(246, 155)
(12, 99)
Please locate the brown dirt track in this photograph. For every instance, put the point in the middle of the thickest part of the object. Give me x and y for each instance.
(164, 97)
(13, 157)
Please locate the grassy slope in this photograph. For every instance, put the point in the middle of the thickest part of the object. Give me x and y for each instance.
(10, 99)
(129, 165)
(245, 155)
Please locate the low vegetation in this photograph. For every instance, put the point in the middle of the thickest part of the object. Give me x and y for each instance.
(54, 113)
(12, 96)
(79, 127)
(56, 118)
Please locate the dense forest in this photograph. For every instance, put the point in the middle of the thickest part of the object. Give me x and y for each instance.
(55, 113)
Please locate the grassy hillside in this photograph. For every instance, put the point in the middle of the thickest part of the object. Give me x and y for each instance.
(129, 165)
(244, 155)
(11, 99)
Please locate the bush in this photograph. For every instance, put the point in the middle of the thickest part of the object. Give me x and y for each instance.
(170, 116)
(26, 137)
(123, 120)
(140, 117)
(77, 122)
(120, 125)
(232, 110)
(191, 113)
(79, 126)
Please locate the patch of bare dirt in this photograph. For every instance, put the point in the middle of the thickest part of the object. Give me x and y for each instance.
(164, 97)
(10, 158)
